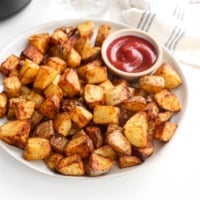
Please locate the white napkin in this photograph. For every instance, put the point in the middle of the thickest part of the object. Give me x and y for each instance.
(174, 23)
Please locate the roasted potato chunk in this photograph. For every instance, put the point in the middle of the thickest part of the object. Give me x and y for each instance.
(106, 151)
(35, 97)
(128, 161)
(103, 32)
(58, 143)
(37, 149)
(73, 58)
(15, 132)
(3, 104)
(85, 29)
(53, 160)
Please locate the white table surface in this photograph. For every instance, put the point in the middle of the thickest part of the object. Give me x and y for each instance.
(175, 176)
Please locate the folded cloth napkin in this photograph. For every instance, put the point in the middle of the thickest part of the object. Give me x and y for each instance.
(174, 23)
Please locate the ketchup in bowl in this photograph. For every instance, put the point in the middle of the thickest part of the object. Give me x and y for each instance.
(131, 54)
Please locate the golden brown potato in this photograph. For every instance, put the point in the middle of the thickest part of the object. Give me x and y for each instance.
(167, 101)
(172, 78)
(106, 114)
(62, 123)
(71, 165)
(116, 139)
(73, 58)
(80, 144)
(128, 161)
(102, 33)
(3, 104)
(53, 160)
(13, 86)
(98, 165)
(58, 143)
(152, 83)
(106, 151)
(58, 37)
(135, 129)
(163, 116)
(53, 89)
(25, 92)
(15, 132)
(37, 149)
(40, 41)
(44, 71)
(36, 118)
(35, 97)
(165, 131)
(106, 85)
(85, 29)
(9, 65)
(152, 110)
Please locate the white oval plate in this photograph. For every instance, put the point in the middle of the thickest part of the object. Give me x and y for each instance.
(18, 44)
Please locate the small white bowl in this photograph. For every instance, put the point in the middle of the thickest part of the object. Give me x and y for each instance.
(140, 34)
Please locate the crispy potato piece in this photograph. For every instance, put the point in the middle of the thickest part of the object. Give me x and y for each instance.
(35, 97)
(73, 58)
(25, 92)
(62, 123)
(37, 149)
(117, 94)
(172, 79)
(93, 95)
(68, 104)
(53, 160)
(134, 104)
(85, 29)
(81, 144)
(36, 118)
(106, 151)
(44, 71)
(98, 165)
(58, 143)
(102, 33)
(165, 131)
(106, 114)
(128, 161)
(152, 83)
(69, 83)
(135, 129)
(167, 100)
(94, 132)
(9, 65)
(40, 41)
(163, 116)
(80, 116)
(58, 37)
(50, 106)
(56, 63)
(53, 89)
(152, 110)
(15, 132)
(71, 165)
(3, 104)
(44, 130)
(106, 85)
(33, 54)
(24, 110)
(13, 86)
(116, 139)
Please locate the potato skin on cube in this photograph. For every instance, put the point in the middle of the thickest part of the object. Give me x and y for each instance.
(53, 160)
(128, 161)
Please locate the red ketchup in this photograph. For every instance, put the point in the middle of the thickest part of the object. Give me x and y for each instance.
(131, 54)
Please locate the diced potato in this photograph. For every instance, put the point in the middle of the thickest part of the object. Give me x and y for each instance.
(135, 129)
(68, 104)
(102, 33)
(94, 132)
(86, 29)
(50, 106)
(106, 114)
(165, 131)
(25, 92)
(163, 116)
(36, 118)
(69, 83)
(53, 160)
(80, 116)
(172, 79)
(15, 132)
(62, 123)
(93, 95)
(98, 165)
(152, 110)
(106, 151)
(152, 83)
(9, 65)
(58, 37)
(44, 130)
(134, 104)
(3, 104)
(116, 139)
(44, 71)
(167, 101)
(58, 143)
(73, 58)
(37, 149)
(128, 161)
(24, 110)
(40, 41)
(117, 94)
(33, 54)
(12, 86)
(106, 85)
(80, 144)
(71, 165)
(53, 89)
(36, 97)
(56, 63)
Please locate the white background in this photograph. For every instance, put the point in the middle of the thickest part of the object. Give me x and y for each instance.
(175, 175)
